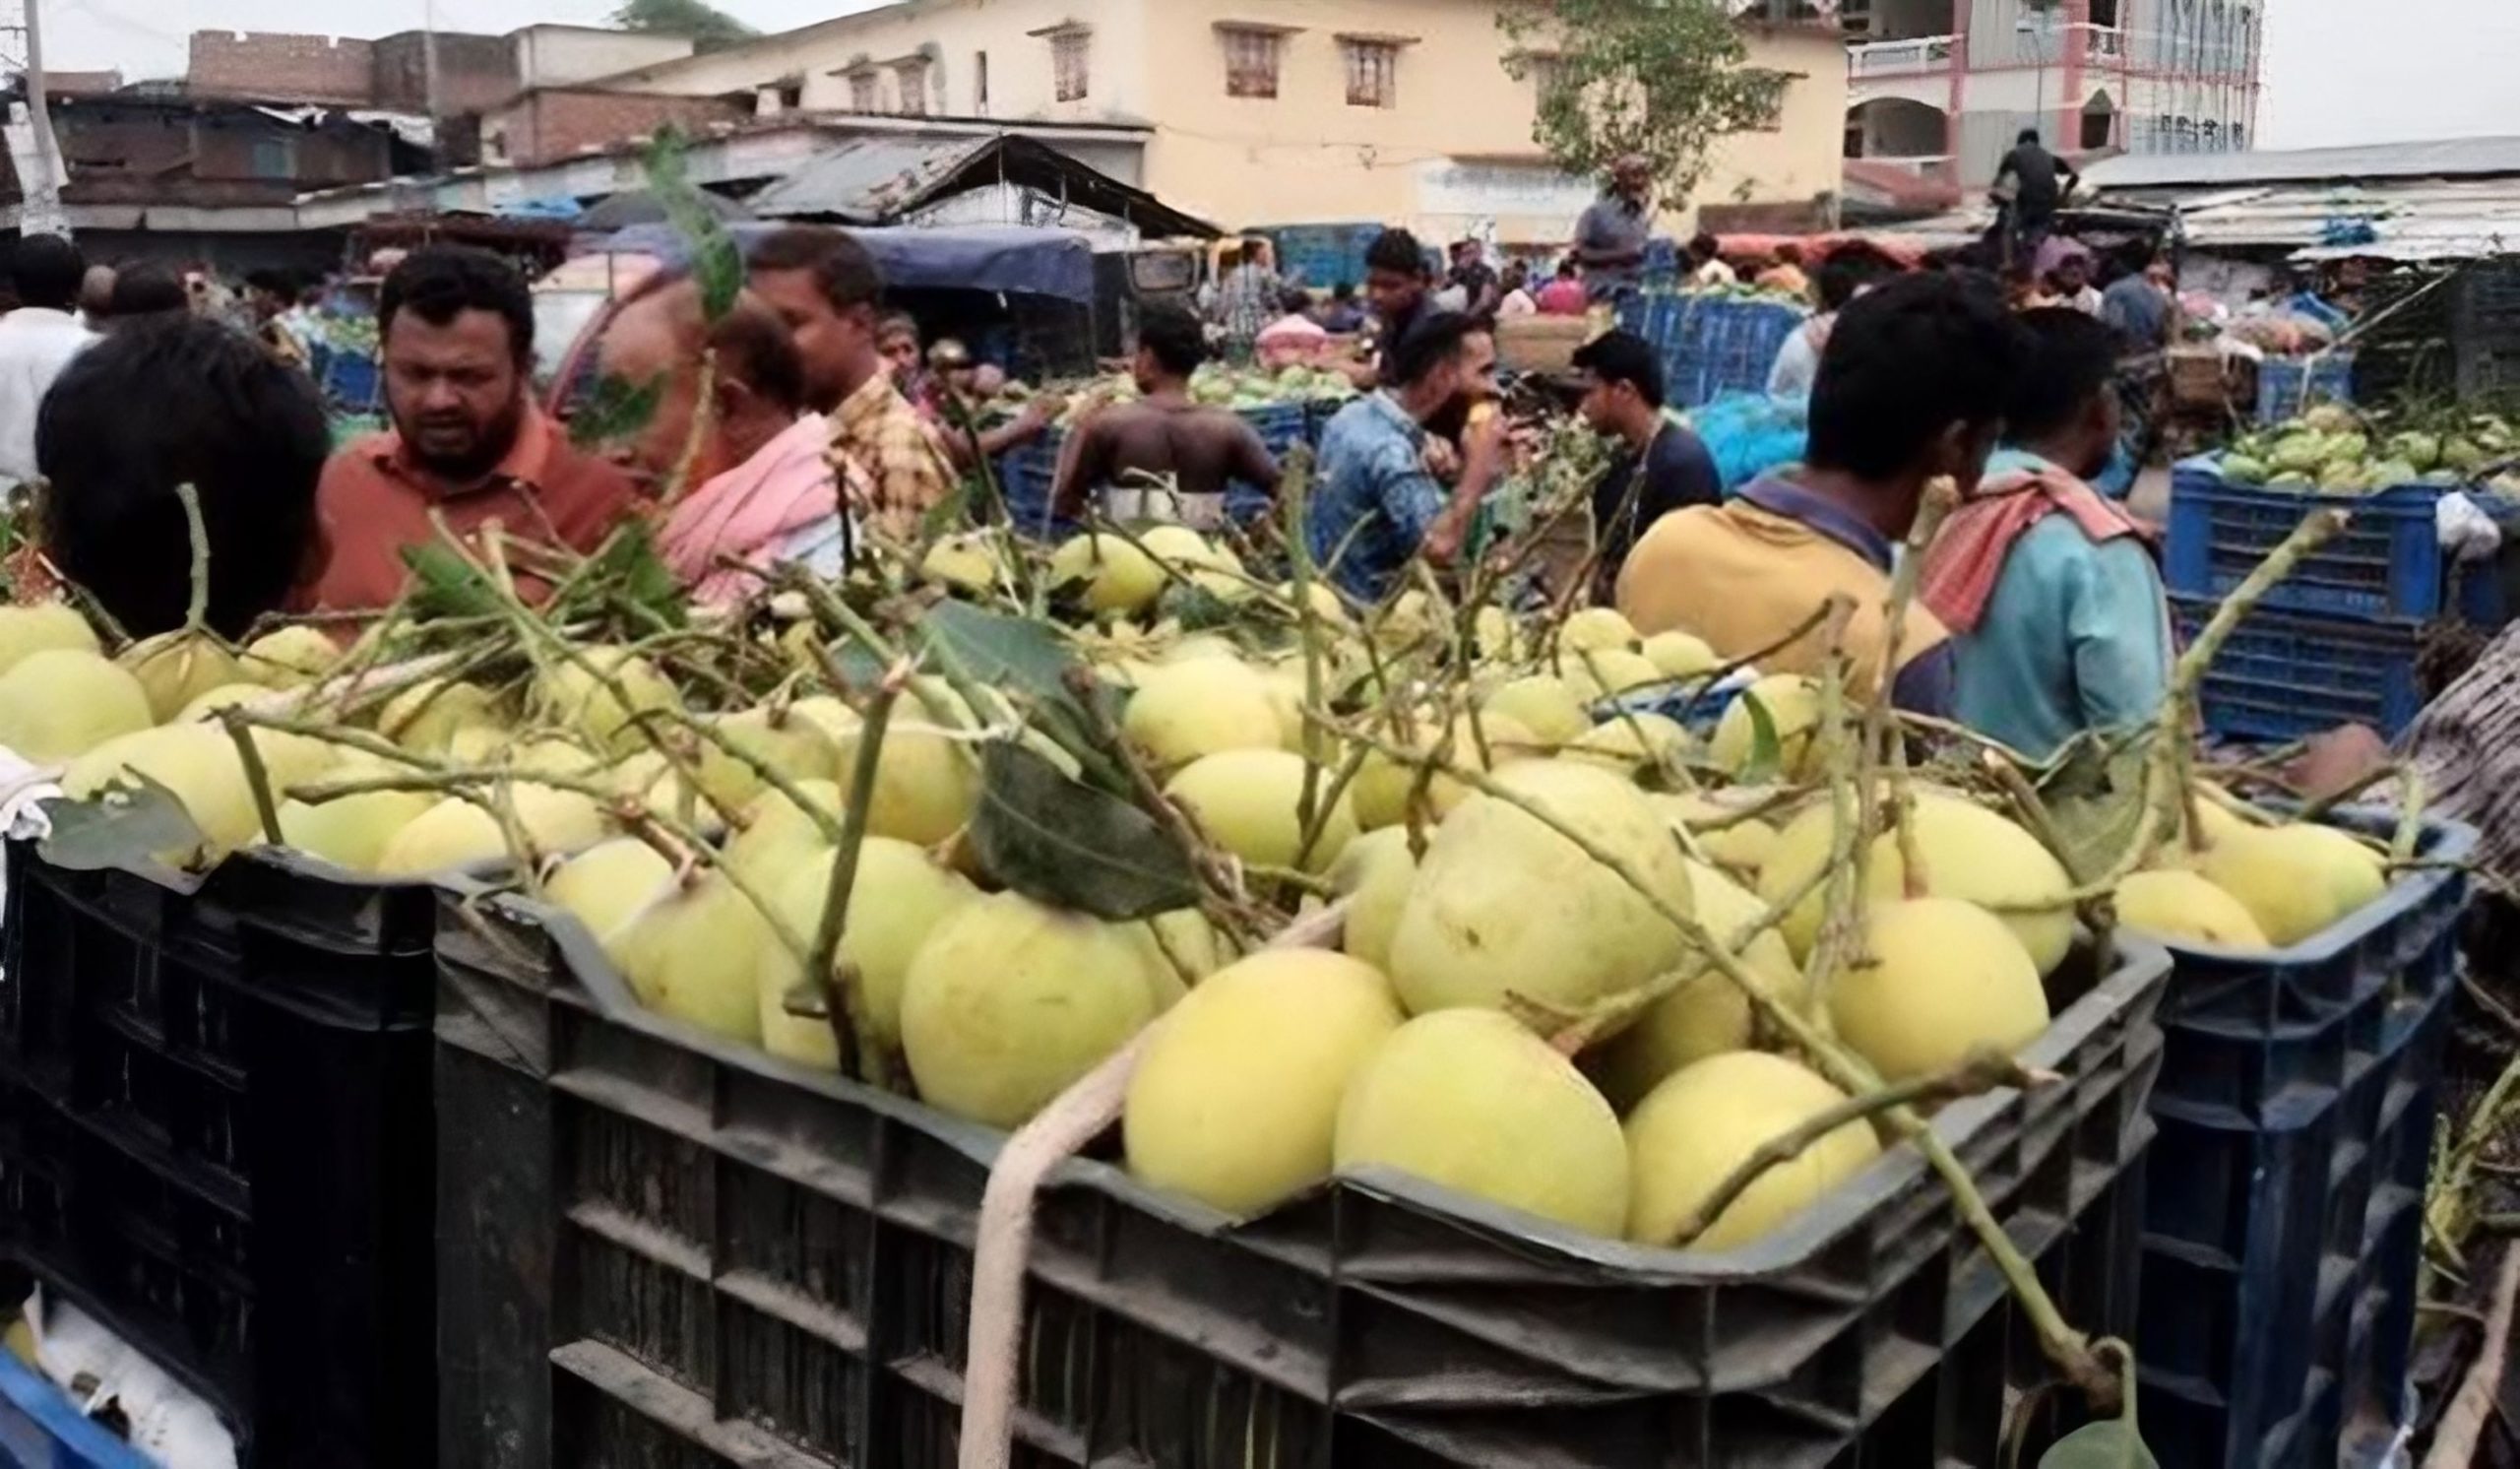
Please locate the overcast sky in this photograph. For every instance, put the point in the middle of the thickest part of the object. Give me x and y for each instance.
(2335, 72)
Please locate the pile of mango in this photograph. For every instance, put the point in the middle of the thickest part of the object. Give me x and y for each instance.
(2330, 450)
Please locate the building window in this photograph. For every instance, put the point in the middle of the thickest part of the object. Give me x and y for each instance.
(909, 79)
(1251, 58)
(1069, 64)
(1373, 72)
(863, 93)
(271, 158)
(2240, 136)
(1767, 110)
(979, 83)
(792, 96)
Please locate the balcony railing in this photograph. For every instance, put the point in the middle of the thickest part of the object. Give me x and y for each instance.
(2100, 42)
(1892, 58)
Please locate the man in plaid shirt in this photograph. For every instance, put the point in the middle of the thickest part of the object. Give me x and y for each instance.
(825, 287)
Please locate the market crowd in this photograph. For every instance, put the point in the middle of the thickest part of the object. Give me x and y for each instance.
(825, 425)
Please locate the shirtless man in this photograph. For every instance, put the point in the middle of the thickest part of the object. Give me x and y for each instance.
(1123, 450)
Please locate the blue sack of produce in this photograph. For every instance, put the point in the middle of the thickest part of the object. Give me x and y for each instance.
(1750, 434)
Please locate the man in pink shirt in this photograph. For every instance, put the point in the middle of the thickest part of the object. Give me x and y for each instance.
(1563, 297)
(759, 492)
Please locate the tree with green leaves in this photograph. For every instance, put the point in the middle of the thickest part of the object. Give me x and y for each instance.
(708, 26)
(1662, 78)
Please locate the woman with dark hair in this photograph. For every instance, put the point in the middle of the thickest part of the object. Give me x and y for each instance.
(145, 290)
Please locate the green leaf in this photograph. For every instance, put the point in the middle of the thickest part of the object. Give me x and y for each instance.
(615, 411)
(1017, 653)
(2110, 1445)
(1067, 844)
(717, 264)
(1767, 752)
(2094, 799)
(129, 824)
(446, 585)
(628, 567)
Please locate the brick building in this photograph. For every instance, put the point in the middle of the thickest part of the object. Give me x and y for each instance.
(266, 67)
(474, 73)
(552, 123)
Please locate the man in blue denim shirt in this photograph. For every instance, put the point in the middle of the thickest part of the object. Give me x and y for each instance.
(1376, 505)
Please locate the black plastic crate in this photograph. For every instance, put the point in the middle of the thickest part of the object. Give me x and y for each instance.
(2283, 1236)
(641, 1220)
(215, 1136)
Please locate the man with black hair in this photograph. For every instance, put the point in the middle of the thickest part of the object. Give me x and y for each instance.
(1376, 505)
(456, 326)
(1340, 315)
(1912, 387)
(1661, 467)
(144, 291)
(38, 339)
(826, 287)
(2041, 180)
(1848, 272)
(245, 433)
(1708, 268)
(1166, 456)
(2055, 604)
(1475, 278)
(1396, 294)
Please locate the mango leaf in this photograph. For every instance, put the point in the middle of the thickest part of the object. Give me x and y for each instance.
(445, 585)
(627, 566)
(1767, 752)
(125, 827)
(2112, 1443)
(1197, 608)
(717, 264)
(1065, 844)
(617, 409)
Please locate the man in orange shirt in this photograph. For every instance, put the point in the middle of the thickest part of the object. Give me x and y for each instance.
(467, 442)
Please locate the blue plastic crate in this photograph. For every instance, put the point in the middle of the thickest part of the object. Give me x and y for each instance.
(1321, 256)
(1024, 475)
(350, 381)
(2289, 675)
(2386, 563)
(1281, 427)
(2289, 386)
(41, 1428)
(2284, 1198)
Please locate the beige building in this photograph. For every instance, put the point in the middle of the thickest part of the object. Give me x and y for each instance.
(1273, 112)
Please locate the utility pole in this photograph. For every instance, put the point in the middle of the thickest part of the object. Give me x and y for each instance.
(40, 210)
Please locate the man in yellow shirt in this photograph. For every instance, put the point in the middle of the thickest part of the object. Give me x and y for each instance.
(1911, 386)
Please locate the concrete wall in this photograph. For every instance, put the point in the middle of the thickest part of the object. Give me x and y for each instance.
(549, 125)
(959, 31)
(472, 72)
(566, 55)
(272, 67)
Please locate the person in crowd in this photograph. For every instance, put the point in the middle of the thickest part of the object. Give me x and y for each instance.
(2069, 282)
(1563, 295)
(467, 441)
(1294, 338)
(2020, 287)
(1707, 267)
(825, 285)
(2143, 307)
(1475, 280)
(95, 296)
(1397, 293)
(38, 339)
(759, 491)
(270, 298)
(1376, 504)
(1340, 315)
(959, 389)
(897, 337)
(1844, 274)
(1611, 233)
(1785, 273)
(1165, 435)
(2050, 594)
(1247, 300)
(1661, 467)
(1516, 286)
(144, 291)
(2039, 181)
(1912, 387)
(245, 433)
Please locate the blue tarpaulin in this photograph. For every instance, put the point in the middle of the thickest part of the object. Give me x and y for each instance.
(1004, 258)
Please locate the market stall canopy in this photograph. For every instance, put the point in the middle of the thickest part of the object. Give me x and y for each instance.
(880, 180)
(1004, 258)
(643, 206)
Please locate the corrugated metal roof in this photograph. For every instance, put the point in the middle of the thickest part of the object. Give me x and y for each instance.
(2447, 157)
(869, 178)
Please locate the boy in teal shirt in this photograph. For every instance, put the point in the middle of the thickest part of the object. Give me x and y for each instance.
(2051, 594)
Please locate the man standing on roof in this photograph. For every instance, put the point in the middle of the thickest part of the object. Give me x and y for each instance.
(1166, 456)
(825, 287)
(2041, 180)
(1609, 238)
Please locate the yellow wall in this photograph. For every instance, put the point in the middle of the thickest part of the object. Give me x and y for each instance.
(1453, 156)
